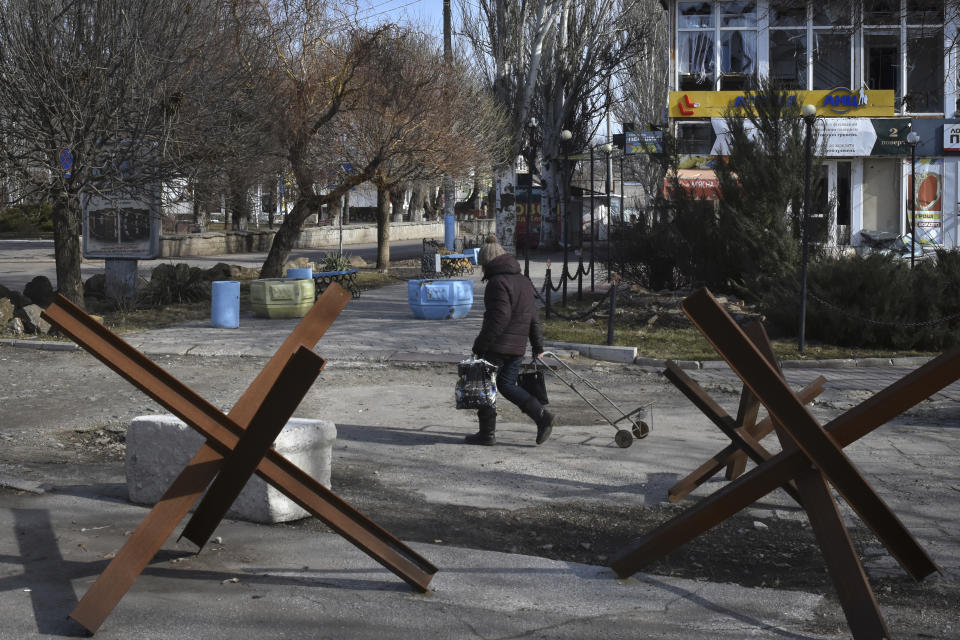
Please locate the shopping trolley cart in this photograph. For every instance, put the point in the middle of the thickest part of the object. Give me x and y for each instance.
(639, 419)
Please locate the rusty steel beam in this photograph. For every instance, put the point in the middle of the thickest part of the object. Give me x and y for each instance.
(817, 445)
(887, 404)
(277, 408)
(724, 457)
(222, 433)
(857, 599)
(708, 406)
(186, 489)
(749, 403)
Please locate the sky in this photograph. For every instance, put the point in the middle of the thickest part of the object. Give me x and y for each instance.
(426, 12)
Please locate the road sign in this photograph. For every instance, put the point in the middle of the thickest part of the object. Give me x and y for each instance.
(66, 161)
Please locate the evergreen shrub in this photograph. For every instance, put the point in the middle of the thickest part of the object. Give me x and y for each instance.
(874, 301)
(27, 219)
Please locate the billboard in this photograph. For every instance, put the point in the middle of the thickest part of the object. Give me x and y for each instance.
(121, 226)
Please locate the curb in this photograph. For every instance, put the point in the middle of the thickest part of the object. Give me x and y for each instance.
(38, 344)
(623, 355)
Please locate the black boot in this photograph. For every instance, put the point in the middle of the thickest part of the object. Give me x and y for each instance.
(488, 425)
(542, 417)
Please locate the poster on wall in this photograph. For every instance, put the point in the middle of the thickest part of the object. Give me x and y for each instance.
(928, 200)
(121, 227)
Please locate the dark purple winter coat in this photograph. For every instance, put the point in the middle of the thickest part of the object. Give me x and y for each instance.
(510, 316)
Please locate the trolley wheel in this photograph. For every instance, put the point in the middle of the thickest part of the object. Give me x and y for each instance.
(641, 430)
(623, 438)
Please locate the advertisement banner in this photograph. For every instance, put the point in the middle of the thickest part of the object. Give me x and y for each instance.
(928, 200)
(891, 137)
(835, 103)
(838, 137)
(643, 142)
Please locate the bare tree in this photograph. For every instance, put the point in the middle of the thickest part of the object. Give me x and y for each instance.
(419, 118)
(508, 40)
(643, 85)
(106, 79)
(553, 60)
(317, 49)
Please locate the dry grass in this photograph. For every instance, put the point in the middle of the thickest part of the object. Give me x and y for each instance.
(655, 325)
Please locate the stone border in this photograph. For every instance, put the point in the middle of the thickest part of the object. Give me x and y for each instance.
(603, 353)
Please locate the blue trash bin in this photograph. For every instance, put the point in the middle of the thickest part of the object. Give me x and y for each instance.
(300, 274)
(225, 304)
(440, 299)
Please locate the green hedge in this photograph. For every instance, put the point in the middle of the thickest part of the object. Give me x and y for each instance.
(27, 219)
(874, 301)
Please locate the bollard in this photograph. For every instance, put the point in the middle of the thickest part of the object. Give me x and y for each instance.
(613, 308)
(548, 289)
(225, 304)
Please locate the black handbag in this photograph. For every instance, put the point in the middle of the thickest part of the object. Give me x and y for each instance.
(532, 380)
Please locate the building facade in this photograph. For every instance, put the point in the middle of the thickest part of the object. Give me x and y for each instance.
(876, 70)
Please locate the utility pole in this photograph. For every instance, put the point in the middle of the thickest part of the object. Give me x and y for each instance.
(449, 191)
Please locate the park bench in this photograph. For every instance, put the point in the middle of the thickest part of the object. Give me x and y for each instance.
(346, 279)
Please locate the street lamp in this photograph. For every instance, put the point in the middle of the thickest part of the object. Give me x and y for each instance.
(912, 139)
(809, 113)
(565, 136)
(532, 152)
(607, 148)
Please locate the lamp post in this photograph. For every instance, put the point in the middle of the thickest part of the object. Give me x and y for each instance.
(912, 139)
(607, 148)
(565, 137)
(809, 113)
(593, 237)
(532, 154)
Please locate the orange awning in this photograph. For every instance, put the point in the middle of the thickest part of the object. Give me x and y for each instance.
(702, 184)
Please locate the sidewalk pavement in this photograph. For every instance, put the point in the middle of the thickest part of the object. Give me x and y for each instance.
(290, 583)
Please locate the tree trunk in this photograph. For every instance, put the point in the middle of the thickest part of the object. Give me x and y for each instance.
(396, 201)
(239, 204)
(66, 248)
(477, 198)
(383, 230)
(336, 210)
(416, 202)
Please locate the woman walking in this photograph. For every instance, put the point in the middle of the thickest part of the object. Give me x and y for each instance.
(509, 320)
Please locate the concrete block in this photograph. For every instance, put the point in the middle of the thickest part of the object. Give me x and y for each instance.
(714, 364)
(595, 351)
(612, 354)
(160, 446)
(650, 363)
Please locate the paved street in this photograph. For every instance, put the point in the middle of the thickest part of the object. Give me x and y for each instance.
(387, 386)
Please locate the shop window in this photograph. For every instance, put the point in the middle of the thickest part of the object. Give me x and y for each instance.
(924, 12)
(924, 72)
(695, 15)
(788, 13)
(738, 59)
(694, 138)
(831, 14)
(881, 12)
(738, 14)
(788, 58)
(824, 28)
(695, 60)
(881, 52)
(831, 59)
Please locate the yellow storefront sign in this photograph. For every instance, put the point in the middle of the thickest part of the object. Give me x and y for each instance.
(840, 102)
